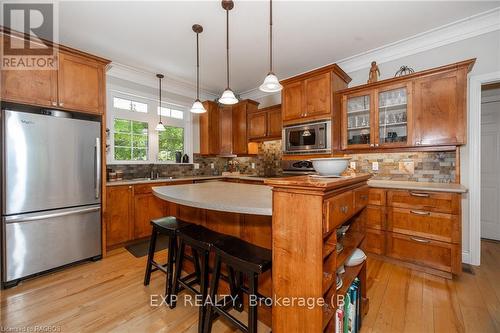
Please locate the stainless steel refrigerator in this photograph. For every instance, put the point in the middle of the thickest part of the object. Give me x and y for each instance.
(51, 198)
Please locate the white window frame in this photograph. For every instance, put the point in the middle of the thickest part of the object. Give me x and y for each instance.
(152, 118)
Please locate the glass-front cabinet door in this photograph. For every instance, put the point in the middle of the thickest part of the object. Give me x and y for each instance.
(357, 121)
(393, 116)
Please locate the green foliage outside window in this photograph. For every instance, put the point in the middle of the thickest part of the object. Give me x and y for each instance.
(131, 140)
(170, 141)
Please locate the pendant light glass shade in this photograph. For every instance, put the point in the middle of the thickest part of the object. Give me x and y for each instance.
(160, 127)
(198, 107)
(271, 84)
(228, 97)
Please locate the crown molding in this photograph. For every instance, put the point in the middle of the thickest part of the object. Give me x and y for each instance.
(468, 27)
(148, 78)
(462, 29)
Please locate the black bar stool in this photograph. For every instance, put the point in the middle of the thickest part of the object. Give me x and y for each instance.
(201, 240)
(242, 258)
(168, 226)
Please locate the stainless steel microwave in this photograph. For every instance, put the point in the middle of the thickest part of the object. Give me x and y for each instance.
(308, 138)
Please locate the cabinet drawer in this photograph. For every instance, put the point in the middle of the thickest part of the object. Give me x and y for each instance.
(375, 217)
(375, 241)
(423, 251)
(376, 196)
(423, 200)
(360, 198)
(338, 210)
(432, 225)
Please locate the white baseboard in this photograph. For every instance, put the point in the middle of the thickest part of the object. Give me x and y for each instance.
(466, 257)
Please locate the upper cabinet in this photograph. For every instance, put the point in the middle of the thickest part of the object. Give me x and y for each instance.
(209, 129)
(78, 83)
(422, 109)
(224, 128)
(440, 108)
(265, 124)
(309, 96)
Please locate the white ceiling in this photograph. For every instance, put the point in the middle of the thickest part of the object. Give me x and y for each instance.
(157, 36)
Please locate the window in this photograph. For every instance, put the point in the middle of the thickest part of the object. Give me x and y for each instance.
(132, 117)
(131, 140)
(170, 141)
(171, 113)
(126, 104)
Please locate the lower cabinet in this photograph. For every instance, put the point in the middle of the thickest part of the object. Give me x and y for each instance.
(421, 228)
(146, 208)
(119, 214)
(130, 209)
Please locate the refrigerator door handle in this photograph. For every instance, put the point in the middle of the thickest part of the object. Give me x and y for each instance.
(34, 217)
(97, 167)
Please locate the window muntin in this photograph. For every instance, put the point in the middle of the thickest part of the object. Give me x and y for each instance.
(130, 105)
(171, 113)
(130, 140)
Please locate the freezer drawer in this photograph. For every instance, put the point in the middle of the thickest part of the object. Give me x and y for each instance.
(41, 241)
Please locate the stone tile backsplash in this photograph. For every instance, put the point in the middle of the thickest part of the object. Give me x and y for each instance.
(410, 166)
(437, 167)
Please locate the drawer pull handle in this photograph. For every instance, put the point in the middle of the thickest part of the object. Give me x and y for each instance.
(344, 209)
(422, 195)
(419, 240)
(419, 212)
(364, 197)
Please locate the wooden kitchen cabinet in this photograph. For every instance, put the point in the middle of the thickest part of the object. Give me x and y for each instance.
(265, 124)
(257, 125)
(146, 208)
(309, 96)
(421, 228)
(274, 126)
(318, 93)
(80, 84)
(440, 108)
(209, 129)
(226, 130)
(239, 125)
(292, 101)
(422, 109)
(119, 214)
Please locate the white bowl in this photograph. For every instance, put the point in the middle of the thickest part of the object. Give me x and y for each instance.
(332, 166)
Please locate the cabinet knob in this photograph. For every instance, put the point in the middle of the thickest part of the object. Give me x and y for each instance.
(61, 104)
(417, 143)
(371, 145)
(130, 187)
(376, 145)
(54, 103)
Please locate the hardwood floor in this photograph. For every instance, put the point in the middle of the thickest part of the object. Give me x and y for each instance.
(109, 296)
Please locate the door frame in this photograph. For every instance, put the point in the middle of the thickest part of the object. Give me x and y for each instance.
(473, 149)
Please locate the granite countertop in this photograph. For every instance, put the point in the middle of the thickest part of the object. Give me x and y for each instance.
(418, 186)
(219, 196)
(319, 183)
(177, 179)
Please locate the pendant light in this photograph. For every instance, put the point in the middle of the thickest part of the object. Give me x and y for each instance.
(271, 82)
(228, 96)
(197, 106)
(160, 127)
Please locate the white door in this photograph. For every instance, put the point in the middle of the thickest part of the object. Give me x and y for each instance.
(490, 165)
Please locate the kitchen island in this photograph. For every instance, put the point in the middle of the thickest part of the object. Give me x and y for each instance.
(296, 217)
